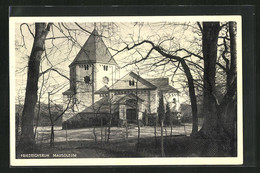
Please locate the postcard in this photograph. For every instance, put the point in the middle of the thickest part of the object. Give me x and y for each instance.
(126, 90)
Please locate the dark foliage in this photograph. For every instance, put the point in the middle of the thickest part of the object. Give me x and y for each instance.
(152, 119)
(89, 120)
(171, 118)
(145, 119)
(44, 114)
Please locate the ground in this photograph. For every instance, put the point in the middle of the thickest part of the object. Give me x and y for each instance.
(82, 143)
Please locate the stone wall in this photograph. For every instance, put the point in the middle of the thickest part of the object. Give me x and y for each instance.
(101, 73)
(154, 101)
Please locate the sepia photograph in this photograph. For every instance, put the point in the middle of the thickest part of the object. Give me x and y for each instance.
(161, 90)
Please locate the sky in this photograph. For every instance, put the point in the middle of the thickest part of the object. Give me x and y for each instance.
(60, 52)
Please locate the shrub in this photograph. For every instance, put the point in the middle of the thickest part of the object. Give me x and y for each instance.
(89, 120)
(186, 118)
(145, 119)
(152, 119)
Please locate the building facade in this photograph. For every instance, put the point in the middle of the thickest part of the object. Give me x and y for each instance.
(96, 87)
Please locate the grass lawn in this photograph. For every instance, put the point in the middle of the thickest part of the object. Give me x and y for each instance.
(81, 142)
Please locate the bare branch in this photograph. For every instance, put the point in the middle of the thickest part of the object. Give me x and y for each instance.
(82, 28)
(28, 28)
(198, 23)
(53, 69)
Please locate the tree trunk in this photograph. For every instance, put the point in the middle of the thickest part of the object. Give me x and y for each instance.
(39, 107)
(162, 147)
(52, 136)
(126, 131)
(192, 95)
(209, 48)
(27, 142)
(17, 125)
(94, 133)
(37, 119)
(110, 121)
(138, 138)
(227, 111)
(155, 123)
(171, 129)
(105, 140)
(101, 133)
(109, 128)
(233, 52)
(66, 133)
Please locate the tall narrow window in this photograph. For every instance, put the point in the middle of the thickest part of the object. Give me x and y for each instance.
(105, 67)
(86, 67)
(131, 83)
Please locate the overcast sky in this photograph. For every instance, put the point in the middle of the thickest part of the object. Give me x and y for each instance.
(61, 51)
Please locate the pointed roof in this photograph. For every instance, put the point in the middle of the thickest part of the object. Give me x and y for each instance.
(94, 50)
(123, 83)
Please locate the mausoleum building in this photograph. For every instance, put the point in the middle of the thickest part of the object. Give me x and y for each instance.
(96, 88)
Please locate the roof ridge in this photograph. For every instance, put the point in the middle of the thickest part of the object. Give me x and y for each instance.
(142, 79)
(156, 78)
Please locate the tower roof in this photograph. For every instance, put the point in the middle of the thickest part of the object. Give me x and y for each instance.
(94, 50)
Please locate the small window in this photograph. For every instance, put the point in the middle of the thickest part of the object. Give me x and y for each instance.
(86, 67)
(87, 80)
(174, 100)
(131, 83)
(105, 67)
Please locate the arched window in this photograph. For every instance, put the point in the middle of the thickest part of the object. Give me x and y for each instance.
(174, 100)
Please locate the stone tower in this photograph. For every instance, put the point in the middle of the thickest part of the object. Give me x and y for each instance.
(93, 68)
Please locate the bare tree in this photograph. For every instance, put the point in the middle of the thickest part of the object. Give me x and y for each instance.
(205, 67)
(27, 142)
(68, 33)
(53, 119)
(161, 116)
(170, 58)
(213, 107)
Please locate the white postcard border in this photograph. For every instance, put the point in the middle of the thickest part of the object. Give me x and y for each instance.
(127, 161)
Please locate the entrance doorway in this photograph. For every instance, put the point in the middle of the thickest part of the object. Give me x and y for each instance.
(131, 115)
